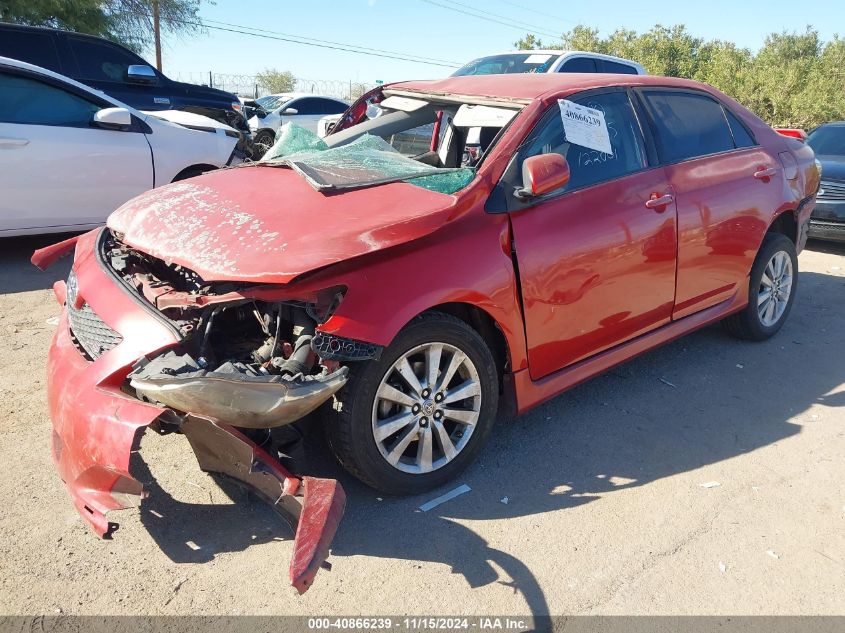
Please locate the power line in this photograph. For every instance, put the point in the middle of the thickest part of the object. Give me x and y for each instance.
(547, 15)
(311, 39)
(506, 21)
(349, 48)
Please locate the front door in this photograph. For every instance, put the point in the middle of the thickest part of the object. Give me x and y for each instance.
(597, 258)
(58, 170)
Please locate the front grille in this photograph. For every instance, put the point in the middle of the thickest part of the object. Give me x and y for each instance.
(90, 333)
(831, 191)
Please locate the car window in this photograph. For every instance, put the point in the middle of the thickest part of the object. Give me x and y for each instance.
(742, 137)
(318, 106)
(687, 125)
(102, 61)
(33, 47)
(828, 140)
(33, 102)
(607, 66)
(508, 63)
(578, 65)
(588, 166)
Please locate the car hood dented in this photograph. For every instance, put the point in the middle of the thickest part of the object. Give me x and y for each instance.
(268, 225)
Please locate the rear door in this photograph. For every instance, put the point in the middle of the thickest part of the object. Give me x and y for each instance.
(57, 171)
(726, 188)
(596, 264)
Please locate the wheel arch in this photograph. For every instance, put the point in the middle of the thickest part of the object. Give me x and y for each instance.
(786, 224)
(190, 172)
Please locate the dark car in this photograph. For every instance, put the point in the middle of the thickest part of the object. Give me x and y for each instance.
(828, 219)
(119, 73)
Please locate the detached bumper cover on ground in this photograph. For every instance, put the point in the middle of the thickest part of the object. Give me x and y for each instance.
(97, 428)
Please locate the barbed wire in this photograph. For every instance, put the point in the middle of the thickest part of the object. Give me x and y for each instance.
(248, 85)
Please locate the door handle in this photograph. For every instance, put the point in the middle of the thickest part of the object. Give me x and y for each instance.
(658, 202)
(765, 173)
(13, 143)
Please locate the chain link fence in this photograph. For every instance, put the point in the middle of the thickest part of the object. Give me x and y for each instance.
(248, 86)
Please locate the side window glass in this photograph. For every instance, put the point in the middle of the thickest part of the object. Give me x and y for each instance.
(33, 47)
(101, 61)
(578, 65)
(608, 66)
(304, 106)
(334, 107)
(687, 125)
(32, 102)
(588, 166)
(742, 137)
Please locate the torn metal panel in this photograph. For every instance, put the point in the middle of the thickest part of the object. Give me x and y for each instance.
(221, 449)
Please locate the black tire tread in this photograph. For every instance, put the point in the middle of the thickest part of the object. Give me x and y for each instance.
(339, 429)
(742, 325)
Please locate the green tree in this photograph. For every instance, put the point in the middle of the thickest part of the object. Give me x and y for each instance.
(129, 22)
(795, 79)
(85, 16)
(527, 43)
(274, 81)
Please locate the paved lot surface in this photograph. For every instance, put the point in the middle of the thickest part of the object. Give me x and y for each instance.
(606, 510)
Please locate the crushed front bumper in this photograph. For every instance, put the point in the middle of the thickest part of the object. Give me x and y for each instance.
(97, 428)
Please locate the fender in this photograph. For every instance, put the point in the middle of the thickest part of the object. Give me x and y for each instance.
(468, 261)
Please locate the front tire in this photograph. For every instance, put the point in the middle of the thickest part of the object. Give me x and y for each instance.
(771, 291)
(263, 141)
(416, 417)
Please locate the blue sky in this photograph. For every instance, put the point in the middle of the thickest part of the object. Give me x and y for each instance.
(418, 27)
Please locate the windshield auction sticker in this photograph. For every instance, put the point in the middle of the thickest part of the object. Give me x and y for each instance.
(585, 126)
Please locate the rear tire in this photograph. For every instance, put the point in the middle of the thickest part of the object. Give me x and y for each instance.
(771, 291)
(410, 442)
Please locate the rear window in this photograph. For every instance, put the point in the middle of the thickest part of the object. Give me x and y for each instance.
(102, 61)
(688, 125)
(33, 47)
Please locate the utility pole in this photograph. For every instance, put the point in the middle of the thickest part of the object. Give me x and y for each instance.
(157, 31)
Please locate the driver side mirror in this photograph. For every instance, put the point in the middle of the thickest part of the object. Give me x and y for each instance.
(113, 118)
(141, 74)
(289, 111)
(542, 174)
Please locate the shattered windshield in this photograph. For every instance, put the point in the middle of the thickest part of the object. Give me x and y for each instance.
(271, 102)
(403, 139)
(509, 63)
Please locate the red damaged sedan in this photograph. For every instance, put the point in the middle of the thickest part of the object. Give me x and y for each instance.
(453, 248)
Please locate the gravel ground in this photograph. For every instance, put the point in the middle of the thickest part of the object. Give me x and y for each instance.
(606, 509)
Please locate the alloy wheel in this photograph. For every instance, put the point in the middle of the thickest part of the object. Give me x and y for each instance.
(426, 408)
(775, 289)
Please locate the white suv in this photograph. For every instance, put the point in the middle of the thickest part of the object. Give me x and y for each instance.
(549, 61)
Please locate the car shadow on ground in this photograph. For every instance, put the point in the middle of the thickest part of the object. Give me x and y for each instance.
(700, 400)
(19, 275)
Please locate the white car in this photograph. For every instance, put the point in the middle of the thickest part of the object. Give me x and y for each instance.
(70, 155)
(303, 109)
(549, 61)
